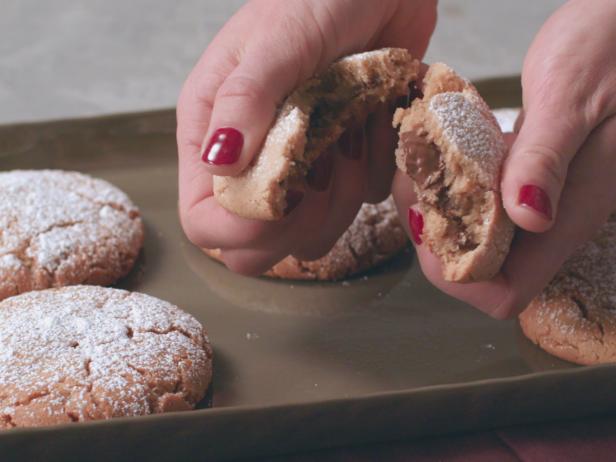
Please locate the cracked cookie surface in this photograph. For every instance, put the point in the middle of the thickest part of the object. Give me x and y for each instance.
(88, 353)
(574, 318)
(374, 237)
(62, 228)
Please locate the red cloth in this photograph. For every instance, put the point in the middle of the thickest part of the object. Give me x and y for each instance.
(589, 440)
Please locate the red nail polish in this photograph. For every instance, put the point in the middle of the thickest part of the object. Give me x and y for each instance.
(294, 197)
(536, 198)
(224, 147)
(416, 223)
(352, 143)
(320, 173)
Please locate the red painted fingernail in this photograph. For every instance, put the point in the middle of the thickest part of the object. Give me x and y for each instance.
(293, 199)
(536, 198)
(352, 143)
(320, 173)
(416, 223)
(224, 147)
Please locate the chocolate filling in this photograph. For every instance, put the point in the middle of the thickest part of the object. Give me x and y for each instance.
(424, 164)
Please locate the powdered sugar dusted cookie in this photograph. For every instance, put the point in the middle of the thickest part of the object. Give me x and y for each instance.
(61, 228)
(87, 353)
(453, 149)
(375, 236)
(574, 318)
(311, 119)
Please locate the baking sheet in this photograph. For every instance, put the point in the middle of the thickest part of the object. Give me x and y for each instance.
(297, 365)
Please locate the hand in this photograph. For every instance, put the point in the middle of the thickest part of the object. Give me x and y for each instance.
(266, 50)
(559, 181)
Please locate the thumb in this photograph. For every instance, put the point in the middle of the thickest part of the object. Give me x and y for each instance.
(536, 169)
(243, 110)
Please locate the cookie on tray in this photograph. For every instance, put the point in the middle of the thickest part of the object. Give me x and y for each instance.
(453, 149)
(375, 236)
(312, 118)
(62, 228)
(574, 318)
(84, 353)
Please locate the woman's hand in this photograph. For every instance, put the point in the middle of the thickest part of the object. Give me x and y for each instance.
(559, 181)
(266, 50)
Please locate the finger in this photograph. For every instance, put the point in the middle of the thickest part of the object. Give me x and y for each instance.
(303, 225)
(535, 171)
(270, 67)
(562, 104)
(345, 197)
(210, 226)
(586, 202)
(487, 296)
(518, 122)
(193, 115)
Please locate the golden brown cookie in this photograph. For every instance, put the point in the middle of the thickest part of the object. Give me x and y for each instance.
(574, 318)
(375, 236)
(61, 228)
(311, 119)
(88, 353)
(453, 149)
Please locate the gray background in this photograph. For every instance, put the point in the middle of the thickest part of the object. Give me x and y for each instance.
(67, 58)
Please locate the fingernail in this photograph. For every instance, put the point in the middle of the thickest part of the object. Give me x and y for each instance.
(536, 198)
(351, 143)
(416, 224)
(293, 198)
(224, 147)
(320, 173)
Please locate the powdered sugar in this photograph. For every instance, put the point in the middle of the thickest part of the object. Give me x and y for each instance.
(48, 217)
(575, 316)
(93, 352)
(470, 127)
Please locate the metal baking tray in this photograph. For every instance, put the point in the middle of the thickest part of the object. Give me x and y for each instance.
(298, 366)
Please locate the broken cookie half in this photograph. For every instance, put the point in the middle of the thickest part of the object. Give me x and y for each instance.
(452, 147)
(311, 119)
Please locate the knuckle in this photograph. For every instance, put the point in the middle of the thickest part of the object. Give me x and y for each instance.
(549, 163)
(241, 87)
(191, 229)
(602, 104)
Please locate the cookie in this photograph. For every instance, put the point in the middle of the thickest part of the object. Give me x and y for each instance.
(375, 236)
(506, 118)
(84, 353)
(62, 228)
(574, 318)
(453, 149)
(311, 119)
